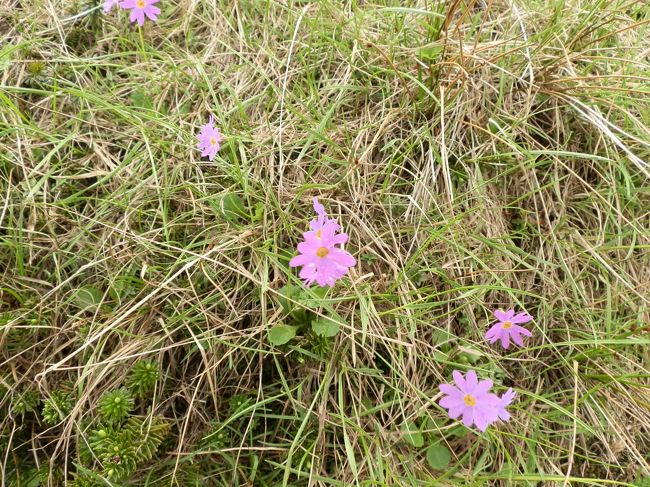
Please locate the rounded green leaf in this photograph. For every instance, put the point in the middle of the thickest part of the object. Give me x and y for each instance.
(281, 334)
(231, 206)
(141, 99)
(287, 294)
(438, 456)
(325, 327)
(412, 435)
(88, 297)
(313, 298)
(430, 53)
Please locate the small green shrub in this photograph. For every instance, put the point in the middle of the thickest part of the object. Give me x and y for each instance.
(115, 406)
(56, 407)
(143, 377)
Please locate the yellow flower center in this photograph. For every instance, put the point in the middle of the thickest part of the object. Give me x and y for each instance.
(140, 3)
(322, 252)
(506, 325)
(213, 139)
(469, 400)
(319, 233)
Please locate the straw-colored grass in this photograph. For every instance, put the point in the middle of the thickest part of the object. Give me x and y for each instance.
(479, 153)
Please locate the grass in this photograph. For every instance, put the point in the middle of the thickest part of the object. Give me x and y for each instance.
(479, 155)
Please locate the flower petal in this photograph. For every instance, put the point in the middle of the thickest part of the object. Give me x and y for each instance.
(496, 337)
(449, 402)
(480, 419)
(505, 339)
(323, 279)
(482, 387)
(328, 231)
(302, 259)
(468, 416)
(341, 238)
(450, 390)
(109, 4)
(308, 248)
(459, 380)
(516, 338)
(504, 315)
(308, 273)
(521, 318)
(508, 396)
(457, 411)
(470, 381)
(341, 257)
(493, 331)
(137, 16)
(521, 330)
(152, 13)
(318, 208)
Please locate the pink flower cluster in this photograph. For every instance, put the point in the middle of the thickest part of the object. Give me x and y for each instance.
(139, 9)
(472, 399)
(321, 258)
(324, 262)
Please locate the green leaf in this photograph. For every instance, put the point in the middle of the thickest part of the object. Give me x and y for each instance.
(438, 456)
(6, 317)
(123, 287)
(6, 56)
(141, 99)
(258, 213)
(458, 432)
(231, 206)
(430, 53)
(291, 298)
(285, 295)
(281, 334)
(412, 434)
(88, 297)
(313, 298)
(325, 326)
(642, 482)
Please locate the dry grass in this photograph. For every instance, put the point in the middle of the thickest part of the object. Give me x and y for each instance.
(480, 154)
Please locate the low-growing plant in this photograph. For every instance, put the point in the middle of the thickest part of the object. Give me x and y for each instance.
(115, 406)
(142, 379)
(56, 407)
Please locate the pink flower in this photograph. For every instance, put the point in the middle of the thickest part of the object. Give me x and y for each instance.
(320, 257)
(140, 8)
(322, 219)
(470, 398)
(507, 327)
(209, 139)
(504, 401)
(109, 4)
